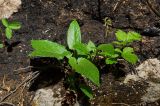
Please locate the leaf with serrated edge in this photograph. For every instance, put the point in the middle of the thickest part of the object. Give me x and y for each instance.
(91, 46)
(111, 61)
(133, 36)
(45, 48)
(118, 50)
(121, 35)
(128, 55)
(73, 34)
(81, 48)
(109, 48)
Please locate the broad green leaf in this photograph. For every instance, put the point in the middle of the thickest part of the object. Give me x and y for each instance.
(118, 50)
(91, 46)
(14, 25)
(81, 49)
(85, 68)
(109, 55)
(121, 35)
(45, 48)
(109, 48)
(133, 36)
(87, 91)
(73, 34)
(128, 49)
(5, 22)
(89, 70)
(128, 55)
(8, 33)
(73, 62)
(111, 61)
(114, 56)
(1, 46)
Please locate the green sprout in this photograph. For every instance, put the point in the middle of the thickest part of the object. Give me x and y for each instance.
(9, 27)
(120, 48)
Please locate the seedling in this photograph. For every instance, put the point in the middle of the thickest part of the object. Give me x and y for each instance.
(80, 56)
(9, 27)
(120, 48)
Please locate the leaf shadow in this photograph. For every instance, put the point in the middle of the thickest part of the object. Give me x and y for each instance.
(50, 72)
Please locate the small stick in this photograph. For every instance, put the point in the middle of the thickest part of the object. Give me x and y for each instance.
(29, 78)
(152, 8)
(25, 68)
(6, 103)
(121, 104)
(118, 4)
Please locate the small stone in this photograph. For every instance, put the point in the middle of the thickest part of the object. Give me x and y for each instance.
(8, 7)
(44, 97)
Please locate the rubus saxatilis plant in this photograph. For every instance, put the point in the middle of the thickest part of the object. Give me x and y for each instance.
(120, 49)
(80, 56)
(8, 27)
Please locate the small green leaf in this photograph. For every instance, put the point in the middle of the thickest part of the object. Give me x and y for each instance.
(87, 91)
(8, 33)
(85, 68)
(118, 50)
(128, 55)
(109, 48)
(114, 56)
(5, 22)
(1, 46)
(111, 61)
(73, 62)
(14, 25)
(133, 36)
(128, 50)
(91, 46)
(45, 48)
(121, 35)
(81, 48)
(73, 34)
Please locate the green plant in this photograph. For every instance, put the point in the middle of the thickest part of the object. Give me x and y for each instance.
(120, 48)
(80, 56)
(9, 27)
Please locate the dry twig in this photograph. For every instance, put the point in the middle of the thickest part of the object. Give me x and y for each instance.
(6, 104)
(118, 4)
(21, 70)
(152, 8)
(26, 80)
(124, 104)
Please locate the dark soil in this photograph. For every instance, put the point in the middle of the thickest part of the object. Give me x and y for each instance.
(49, 19)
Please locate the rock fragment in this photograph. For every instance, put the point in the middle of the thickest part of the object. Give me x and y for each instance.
(8, 7)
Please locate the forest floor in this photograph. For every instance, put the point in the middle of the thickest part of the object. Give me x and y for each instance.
(49, 19)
